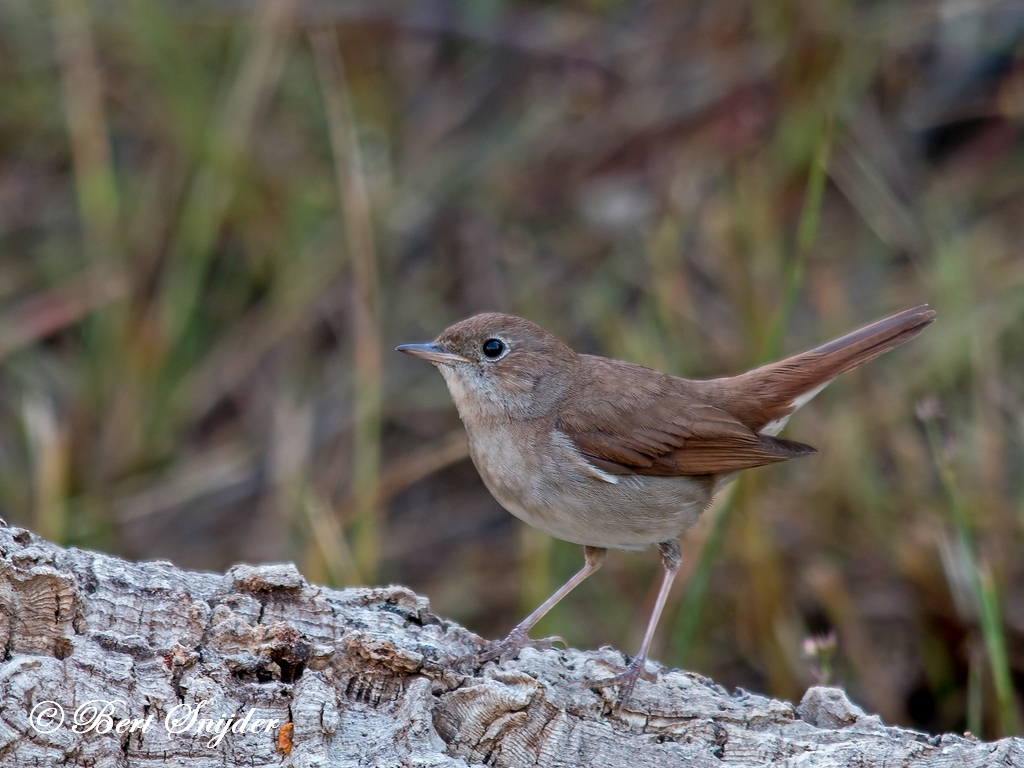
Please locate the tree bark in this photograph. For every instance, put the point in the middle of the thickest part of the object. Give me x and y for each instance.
(154, 666)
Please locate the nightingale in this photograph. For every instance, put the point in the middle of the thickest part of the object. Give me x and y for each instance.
(609, 454)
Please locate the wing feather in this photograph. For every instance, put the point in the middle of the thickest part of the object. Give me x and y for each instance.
(663, 429)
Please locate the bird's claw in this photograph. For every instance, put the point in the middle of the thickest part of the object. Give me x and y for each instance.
(626, 679)
(502, 650)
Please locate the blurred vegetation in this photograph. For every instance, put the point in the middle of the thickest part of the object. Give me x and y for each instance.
(216, 219)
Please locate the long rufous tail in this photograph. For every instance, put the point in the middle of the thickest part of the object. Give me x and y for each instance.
(780, 388)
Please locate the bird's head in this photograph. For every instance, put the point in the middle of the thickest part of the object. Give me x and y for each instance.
(499, 367)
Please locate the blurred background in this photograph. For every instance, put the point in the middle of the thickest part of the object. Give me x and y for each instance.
(217, 218)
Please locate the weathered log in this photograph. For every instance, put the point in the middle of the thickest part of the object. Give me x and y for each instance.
(258, 667)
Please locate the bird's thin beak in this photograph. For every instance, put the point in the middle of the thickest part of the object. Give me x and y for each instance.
(432, 352)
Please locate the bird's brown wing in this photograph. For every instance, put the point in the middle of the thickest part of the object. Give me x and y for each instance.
(652, 424)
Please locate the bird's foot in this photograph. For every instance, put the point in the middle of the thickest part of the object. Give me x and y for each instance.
(502, 650)
(626, 679)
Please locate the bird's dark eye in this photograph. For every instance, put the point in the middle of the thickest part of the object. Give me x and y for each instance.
(493, 348)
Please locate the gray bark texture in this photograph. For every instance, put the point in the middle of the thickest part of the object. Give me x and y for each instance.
(361, 677)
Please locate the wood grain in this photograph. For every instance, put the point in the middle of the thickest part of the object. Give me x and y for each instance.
(368, 677)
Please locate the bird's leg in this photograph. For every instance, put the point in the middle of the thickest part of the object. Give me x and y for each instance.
(519, 637)
(670, 559)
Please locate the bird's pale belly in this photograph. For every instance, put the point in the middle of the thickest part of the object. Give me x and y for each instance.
(584, 506)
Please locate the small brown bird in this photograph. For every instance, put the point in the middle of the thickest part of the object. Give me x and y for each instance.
(608, 454)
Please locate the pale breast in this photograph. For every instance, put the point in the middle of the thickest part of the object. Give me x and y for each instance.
(547, 483)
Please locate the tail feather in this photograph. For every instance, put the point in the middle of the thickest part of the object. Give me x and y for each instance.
(780, 388)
